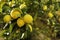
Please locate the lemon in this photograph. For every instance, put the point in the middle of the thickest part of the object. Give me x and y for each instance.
(45, 7)
(50, 15)
(28, 18)
(7, 18)
(15, 14)
(20, 22)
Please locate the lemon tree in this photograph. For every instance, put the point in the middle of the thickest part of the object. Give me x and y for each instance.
(30, 19)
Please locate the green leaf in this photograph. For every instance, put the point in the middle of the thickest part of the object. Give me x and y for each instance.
(25, 35)
(44, 1)
(35, 17)
(11, 28)
(1, 5)
(2, 32)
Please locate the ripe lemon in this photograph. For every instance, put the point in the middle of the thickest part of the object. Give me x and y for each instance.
(45, 7)
(15, 14)
(20, 22)
(7, 18)
(28, 18)
(50, 15)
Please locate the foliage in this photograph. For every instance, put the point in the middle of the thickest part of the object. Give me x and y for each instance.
(36, 17)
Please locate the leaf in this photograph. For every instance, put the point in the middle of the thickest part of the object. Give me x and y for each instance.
(2, 32)
(1, 5)
(35, 17)
(11, 28)
(25, 34)
(29, 28)
(6, 8)
(44, 1)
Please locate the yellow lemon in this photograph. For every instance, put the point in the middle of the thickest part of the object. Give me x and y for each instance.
(20, 22)
(45, 7)
(7, 18)
(50, 15)
(28, 18)
(15, 14)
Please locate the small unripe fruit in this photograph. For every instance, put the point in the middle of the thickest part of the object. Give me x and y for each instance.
(50, 15)
(45, 7)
